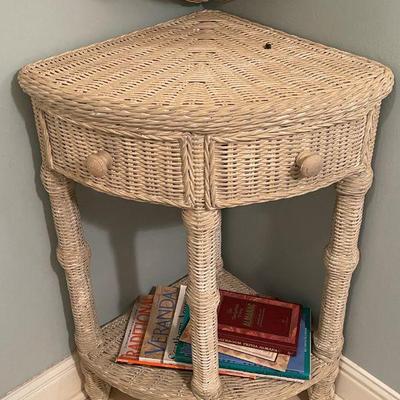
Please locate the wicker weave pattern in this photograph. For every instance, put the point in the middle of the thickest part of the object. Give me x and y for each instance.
(168, 384)
(148, 97)
(146, 167)
(203, 229)
(250, 171)
(73, 254)
(341, 259)
(207, 73)
(199, 114)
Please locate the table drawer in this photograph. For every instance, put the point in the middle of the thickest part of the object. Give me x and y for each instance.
(264, 168)
(135, 165)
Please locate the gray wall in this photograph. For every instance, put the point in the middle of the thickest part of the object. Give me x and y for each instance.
(134, 245)
(273, 241)
(275, 247)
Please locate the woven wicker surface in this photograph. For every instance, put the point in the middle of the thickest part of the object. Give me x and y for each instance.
(155, 384)
(205, 112)
(207, 72)
(197, 112)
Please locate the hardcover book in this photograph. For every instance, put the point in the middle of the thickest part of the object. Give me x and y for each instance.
(280, 363)
(259, 322)
(227, 347)
(264, 354)
(134, 337)
(299, 367)
(260, 357)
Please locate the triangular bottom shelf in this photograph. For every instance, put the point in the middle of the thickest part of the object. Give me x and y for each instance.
(144, 383)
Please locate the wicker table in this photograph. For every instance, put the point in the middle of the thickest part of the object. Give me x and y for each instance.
(205, 112)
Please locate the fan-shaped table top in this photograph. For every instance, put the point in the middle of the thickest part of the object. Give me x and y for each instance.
(208, 71)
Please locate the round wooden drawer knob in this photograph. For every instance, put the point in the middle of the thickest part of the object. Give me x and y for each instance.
(309, 163)
(98, 164)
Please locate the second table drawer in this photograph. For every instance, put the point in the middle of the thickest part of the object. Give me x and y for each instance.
(265, 168)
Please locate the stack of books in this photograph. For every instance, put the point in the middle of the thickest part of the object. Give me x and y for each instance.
(258, 336)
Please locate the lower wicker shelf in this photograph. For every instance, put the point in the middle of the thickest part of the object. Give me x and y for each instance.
(156, 383)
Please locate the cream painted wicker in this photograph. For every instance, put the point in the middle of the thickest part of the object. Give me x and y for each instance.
(205, 112)
(203, 1)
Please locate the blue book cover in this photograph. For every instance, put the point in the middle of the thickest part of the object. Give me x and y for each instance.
(299, 368)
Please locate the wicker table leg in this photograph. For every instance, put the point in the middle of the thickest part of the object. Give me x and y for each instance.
(203, 241)
(73, 253)
(341, 259)
(218, 246)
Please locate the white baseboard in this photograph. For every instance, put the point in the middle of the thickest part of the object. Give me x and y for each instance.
(354, 383)
(62, 382)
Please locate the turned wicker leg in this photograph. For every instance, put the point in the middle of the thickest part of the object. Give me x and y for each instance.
(73, 254)
(203, 241)
(218, 245)
(95, 388)
(341, 259)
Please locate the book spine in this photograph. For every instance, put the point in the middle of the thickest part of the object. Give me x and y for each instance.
(278, 366)
(124, 345)
(232, 349)
(136, 329)
(159, 326)
(187, 367)
(227, 363)
(173, 337)
(264, 354)
(224, 338)
(130, 361)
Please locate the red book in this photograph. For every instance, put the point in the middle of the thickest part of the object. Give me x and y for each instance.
(259, 322)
